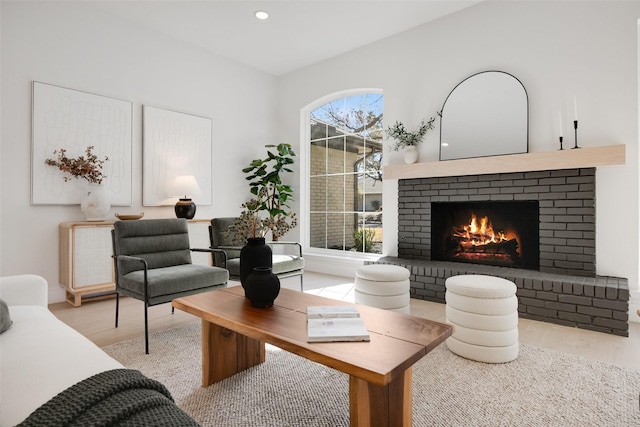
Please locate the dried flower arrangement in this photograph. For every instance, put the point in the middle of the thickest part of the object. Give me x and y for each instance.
(250, 224)
(88, 168)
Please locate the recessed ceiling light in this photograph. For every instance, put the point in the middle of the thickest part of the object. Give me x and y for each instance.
(262, 15)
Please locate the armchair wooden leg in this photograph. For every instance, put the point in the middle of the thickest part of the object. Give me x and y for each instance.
(301, 287)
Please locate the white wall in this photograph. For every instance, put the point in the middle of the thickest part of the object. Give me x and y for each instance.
(557, 49)
(82, 47)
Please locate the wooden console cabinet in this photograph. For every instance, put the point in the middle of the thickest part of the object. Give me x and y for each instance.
(86, 267)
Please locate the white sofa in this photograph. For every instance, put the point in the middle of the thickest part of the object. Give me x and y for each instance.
(40, 356)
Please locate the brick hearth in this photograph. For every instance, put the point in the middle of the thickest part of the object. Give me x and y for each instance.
(596, 303)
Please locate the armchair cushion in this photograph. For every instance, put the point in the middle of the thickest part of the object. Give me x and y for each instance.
(161, 242)
(167, 283)
(286, 263)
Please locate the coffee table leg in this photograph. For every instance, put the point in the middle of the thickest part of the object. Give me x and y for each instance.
(225, 353)
(372, 405)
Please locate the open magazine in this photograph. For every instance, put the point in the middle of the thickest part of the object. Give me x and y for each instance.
(334, 324)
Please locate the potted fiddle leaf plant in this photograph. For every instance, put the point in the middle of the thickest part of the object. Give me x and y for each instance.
(272, 196)
(267, 211)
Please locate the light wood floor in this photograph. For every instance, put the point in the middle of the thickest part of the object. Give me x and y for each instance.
(95, 320)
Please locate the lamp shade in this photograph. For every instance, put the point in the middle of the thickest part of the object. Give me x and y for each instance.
(185, 186)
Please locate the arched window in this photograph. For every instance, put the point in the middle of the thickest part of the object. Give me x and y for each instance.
(345, 174)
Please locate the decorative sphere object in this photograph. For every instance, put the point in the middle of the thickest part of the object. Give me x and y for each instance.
(261, 287)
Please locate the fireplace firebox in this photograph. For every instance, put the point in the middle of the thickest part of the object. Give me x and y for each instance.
(500, 233)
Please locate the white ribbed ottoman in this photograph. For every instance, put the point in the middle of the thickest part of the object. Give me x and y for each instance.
(484, 311)
(383, 286)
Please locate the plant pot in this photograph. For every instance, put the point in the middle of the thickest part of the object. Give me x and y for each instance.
(95, 203)
(256, 253)
(410, 154)
(261, 287)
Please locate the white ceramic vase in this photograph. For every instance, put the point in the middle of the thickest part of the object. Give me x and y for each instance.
(410, 154)
(95, 203)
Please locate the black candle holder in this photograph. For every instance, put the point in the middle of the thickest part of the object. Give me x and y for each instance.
(561, 144)
(575, 129)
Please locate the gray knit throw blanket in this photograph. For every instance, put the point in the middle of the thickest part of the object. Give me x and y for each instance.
(120, 397)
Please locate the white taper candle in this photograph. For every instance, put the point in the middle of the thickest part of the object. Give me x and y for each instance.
(560, 116)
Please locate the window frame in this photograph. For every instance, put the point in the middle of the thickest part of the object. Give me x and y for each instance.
(305, 175)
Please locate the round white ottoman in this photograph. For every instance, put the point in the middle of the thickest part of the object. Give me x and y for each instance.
(383, 286)
(484, 311)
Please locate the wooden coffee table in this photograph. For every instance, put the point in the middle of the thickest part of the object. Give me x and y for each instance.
(234, 335)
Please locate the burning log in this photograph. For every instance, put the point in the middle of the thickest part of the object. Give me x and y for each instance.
(509, 247)
(478, 241)
(476, 237)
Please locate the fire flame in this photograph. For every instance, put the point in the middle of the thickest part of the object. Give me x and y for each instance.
(475, 234)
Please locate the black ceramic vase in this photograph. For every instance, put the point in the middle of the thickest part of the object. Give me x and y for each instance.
(261, 287)
(256, 253)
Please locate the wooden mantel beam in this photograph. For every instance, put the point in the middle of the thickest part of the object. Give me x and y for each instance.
(585, 157)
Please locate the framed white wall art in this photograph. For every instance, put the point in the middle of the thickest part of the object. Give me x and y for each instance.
(175, 144)
(74, 120)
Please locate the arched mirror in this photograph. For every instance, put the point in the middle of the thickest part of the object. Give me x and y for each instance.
(486, 114)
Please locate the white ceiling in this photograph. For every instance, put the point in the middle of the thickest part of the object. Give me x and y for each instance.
(297, 34)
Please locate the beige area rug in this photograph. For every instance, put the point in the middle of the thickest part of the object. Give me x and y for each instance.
(540, 388)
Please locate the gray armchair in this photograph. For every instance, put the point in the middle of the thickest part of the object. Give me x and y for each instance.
(287, 256)
(152, 261)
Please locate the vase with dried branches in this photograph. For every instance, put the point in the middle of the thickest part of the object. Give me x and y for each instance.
(89, 167)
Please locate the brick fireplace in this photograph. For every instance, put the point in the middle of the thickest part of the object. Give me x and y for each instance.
(567, 212)
(564, 289)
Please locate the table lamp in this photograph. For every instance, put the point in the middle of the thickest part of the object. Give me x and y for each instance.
(184, 187)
